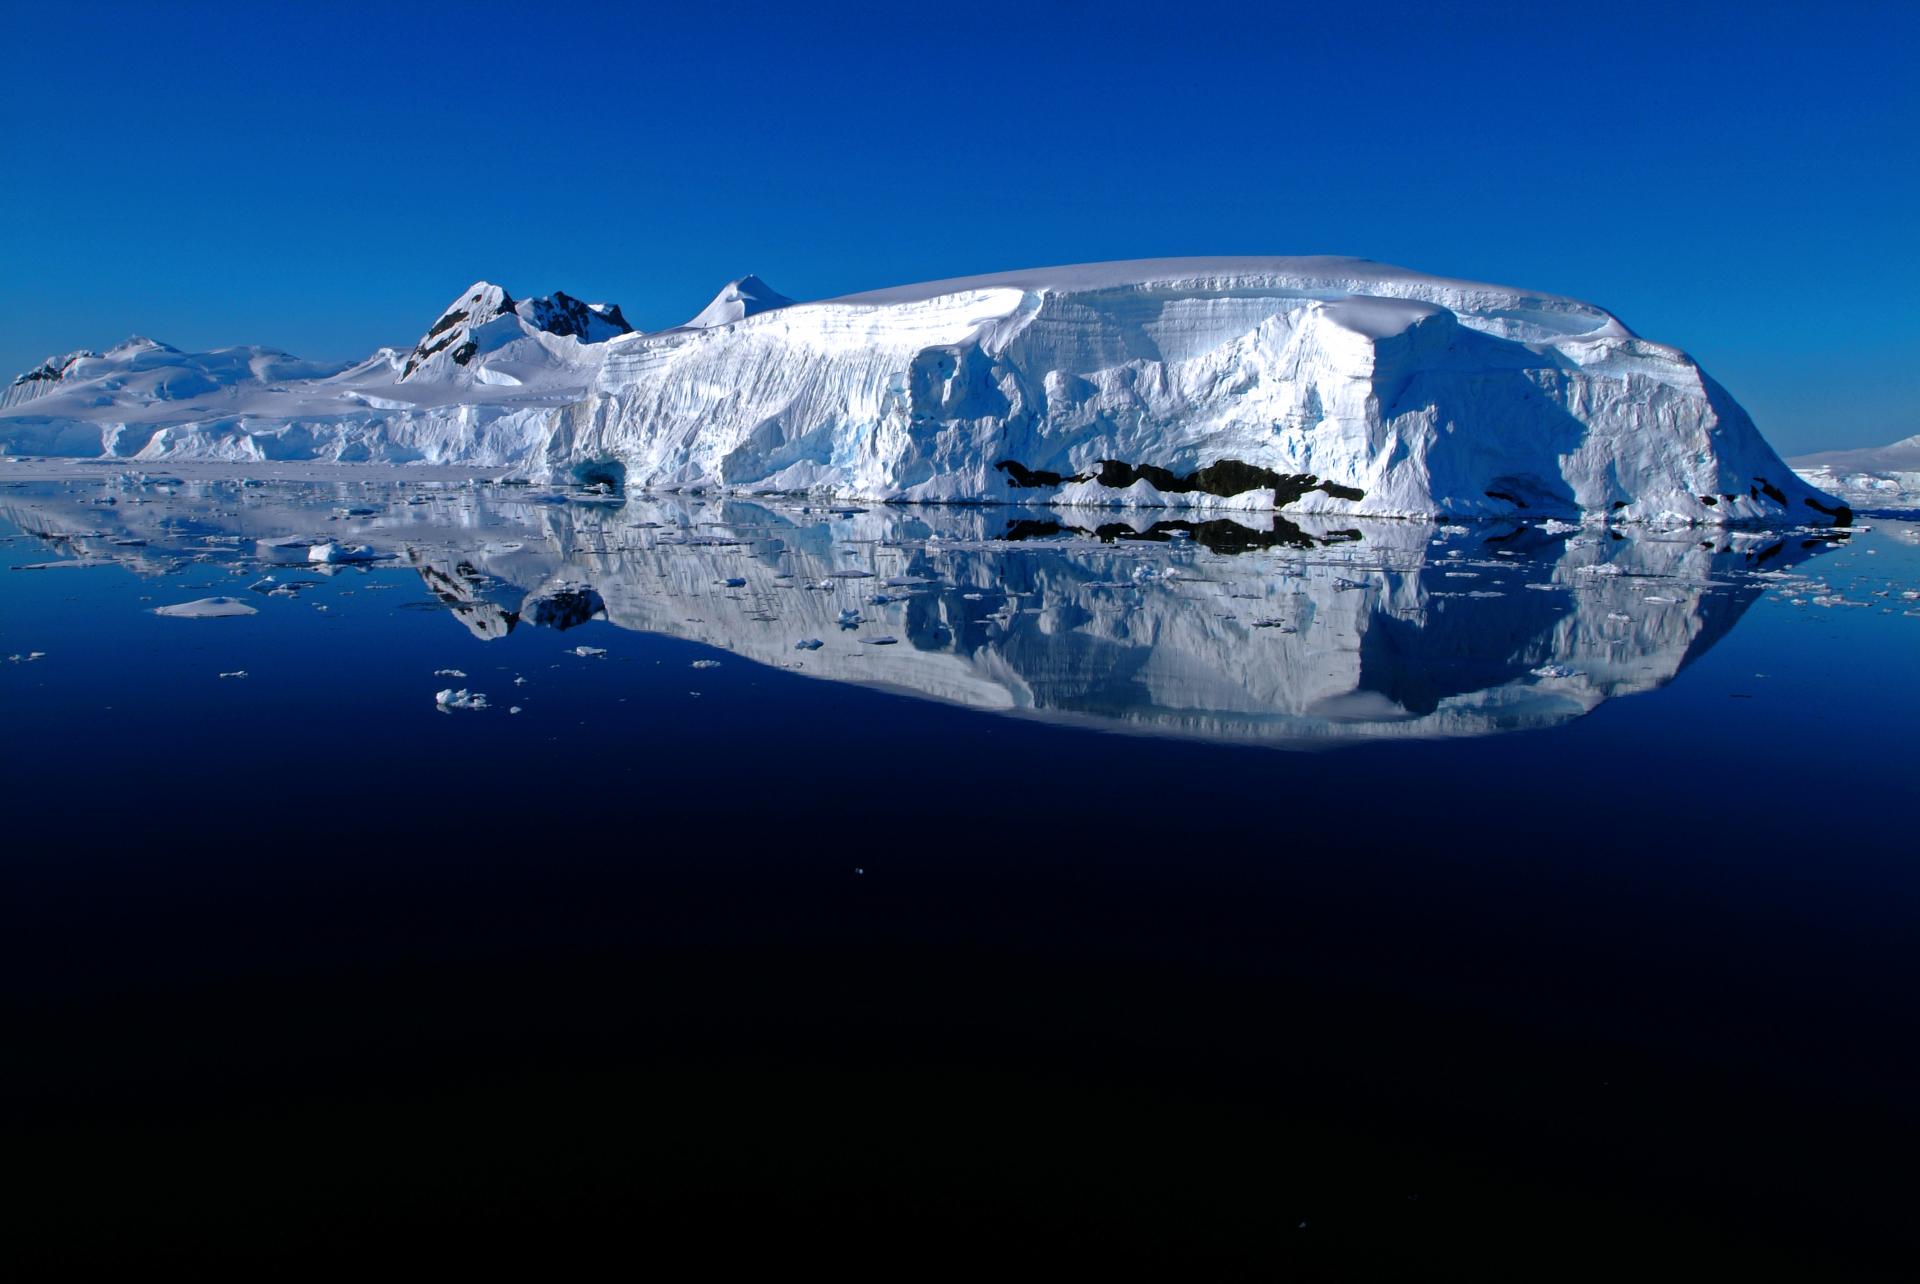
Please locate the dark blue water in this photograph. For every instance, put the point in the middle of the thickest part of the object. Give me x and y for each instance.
(1273, 909)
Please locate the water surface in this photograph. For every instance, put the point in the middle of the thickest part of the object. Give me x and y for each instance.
(1159, 888)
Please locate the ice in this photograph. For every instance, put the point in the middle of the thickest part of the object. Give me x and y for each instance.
(588, 652)
(331, 552)
(1556, 671)
(236, 673)
(1529, 405)
(207, 608)
(849, 618)
(460, 699)
(883, 640)
(706, 664)
(448, 673)
(808, 644)
(30, 656)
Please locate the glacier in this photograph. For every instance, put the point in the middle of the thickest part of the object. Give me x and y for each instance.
(1328, 386)
(1875, 476)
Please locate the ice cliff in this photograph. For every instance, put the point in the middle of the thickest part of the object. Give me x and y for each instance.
(1316, 385)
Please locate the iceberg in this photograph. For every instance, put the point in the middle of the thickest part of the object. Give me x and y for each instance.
(1337, 387)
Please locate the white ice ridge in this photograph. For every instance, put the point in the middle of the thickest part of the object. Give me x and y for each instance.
(1327, 385)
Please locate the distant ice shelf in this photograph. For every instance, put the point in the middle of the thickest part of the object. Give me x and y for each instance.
(1330, 386)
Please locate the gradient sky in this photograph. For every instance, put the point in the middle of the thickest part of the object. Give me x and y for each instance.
(1741, 182)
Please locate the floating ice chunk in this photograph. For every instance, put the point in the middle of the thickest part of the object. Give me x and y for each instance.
(706, 664)
(206, 608)
(1601, 568)
(1619, 617)
(448, 673)
(588, 652)
(849, 618)
(237, 673)
(513, 708)
(28, 658)
(1554, 526)
(1660, 600)
(734, 581)
(357, 510)
(808, 644)
(331, 552)
(1556, 671)
(461, 699)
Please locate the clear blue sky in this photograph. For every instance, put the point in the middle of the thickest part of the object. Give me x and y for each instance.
(1740, 180)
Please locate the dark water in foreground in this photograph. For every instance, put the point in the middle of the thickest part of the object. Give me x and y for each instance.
(1452, 904)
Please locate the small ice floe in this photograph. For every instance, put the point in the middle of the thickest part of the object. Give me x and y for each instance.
(206, 608)
(332, 552)
(519, 681)
(357, 510)
(883, 640)
(808, 644)
(706, 664)
(1556, 671)
(1341, 584)
(513, 708)
(1281, 625)
(849, 618)
(1601, 568)
(1660, 600)
(448, 673)
(28, 658)
(237, 673)
(734, 581)
(1452, 530)
(461, 699)
(1619, 617)
(1554, 526)
(588, 652)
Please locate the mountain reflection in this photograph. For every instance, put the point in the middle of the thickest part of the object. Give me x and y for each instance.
(1267, 631)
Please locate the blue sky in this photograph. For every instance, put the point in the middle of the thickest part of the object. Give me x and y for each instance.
(323, 178)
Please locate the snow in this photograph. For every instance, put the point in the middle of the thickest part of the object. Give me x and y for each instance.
(748, 296)
(1384, 391)
(1884, 476)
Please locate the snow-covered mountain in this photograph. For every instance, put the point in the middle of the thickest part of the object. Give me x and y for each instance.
(737, 300)
(472, 334)
(478, 385)
(1887, 475)
(1326, 385)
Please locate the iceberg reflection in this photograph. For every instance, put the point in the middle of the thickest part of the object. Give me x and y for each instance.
(1232, 628)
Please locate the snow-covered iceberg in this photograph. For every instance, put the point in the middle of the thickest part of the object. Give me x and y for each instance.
(1310, 385)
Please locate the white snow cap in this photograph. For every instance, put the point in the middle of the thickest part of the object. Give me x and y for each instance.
(737, 300)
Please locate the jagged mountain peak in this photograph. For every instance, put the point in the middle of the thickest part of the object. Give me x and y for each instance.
(738, 299)
(484, 303)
